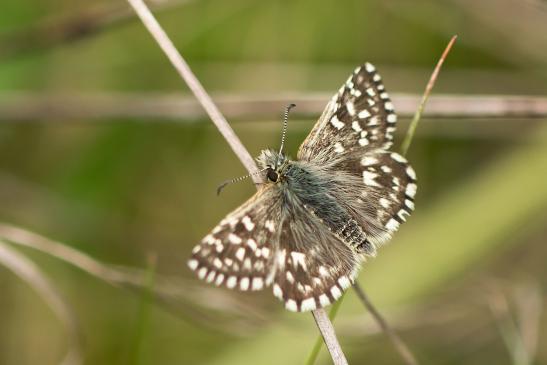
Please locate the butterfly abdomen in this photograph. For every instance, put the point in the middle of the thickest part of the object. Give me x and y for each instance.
(313, 191)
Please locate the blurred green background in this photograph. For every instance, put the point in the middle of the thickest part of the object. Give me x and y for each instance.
(464, 280)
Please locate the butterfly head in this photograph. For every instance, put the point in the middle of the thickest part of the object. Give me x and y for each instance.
(274, 163)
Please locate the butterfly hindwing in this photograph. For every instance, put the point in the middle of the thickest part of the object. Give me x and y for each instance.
(387, 192)
(313, 266)
(239, 250)
(359, 117)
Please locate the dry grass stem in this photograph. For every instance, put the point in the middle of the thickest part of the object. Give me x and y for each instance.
(179, 108)
(410, 134)
(195, 86)
(29, 272)
(397, 342)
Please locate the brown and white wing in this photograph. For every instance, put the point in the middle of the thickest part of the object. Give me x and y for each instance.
(312, 266)
(238, 252)
(386, 195)
(360, 117)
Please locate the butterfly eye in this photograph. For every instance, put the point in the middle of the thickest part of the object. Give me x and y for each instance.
(272, 175)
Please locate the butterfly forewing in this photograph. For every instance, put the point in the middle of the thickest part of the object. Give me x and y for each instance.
(360, 116)
(238, 253)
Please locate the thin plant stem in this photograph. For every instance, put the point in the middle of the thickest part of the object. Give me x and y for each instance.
(318, 342)
(147, 297)
(195, 86)
(321, 319)
(28, 271)
(400, 346)
(414, 124)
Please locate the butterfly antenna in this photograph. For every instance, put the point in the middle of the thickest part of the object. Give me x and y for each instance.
(237, 179)
(284, 131)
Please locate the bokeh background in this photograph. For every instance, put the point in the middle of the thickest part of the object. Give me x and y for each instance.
(103, 151)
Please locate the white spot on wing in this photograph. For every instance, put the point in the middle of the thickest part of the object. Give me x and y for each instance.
(211, 276)
(270, 225)
(411, 190)
(249, 225)
(231, 282)
(323, 271)
(252, 244)
(336, 122)
(308, 304)
(193, 264)
(392, 225)
(291, 305)
(335, 292)
(391, 118)
(278, 293)
(299, 259)
(281, 255)
(344, 282)
(409, 204)
(290, 277)
(373, 121)
(202, 272)
(324, 300)
(356, 126)
(369, 67)
(257, 284)
(219, 280)
(410, 172)
(367, 161)
(384, 202)
(236, 240)
(363, 114)
(397, 157)
(244, 283)
(338, 147)
(368, 178)
(240, 253)
(351, 108)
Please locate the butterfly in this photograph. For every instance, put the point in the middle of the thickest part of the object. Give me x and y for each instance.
(314, 220)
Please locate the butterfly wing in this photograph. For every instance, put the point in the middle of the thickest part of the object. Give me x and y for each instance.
(238, 253)
(386, 196)
(269, 239)
(353, 135)
(359, 117)
(312, 266)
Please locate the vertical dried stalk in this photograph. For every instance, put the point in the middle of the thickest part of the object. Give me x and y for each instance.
(412, 128)
(193, 83)
(321, 319)
(400, 346)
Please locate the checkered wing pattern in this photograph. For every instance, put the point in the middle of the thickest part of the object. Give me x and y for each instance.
(238, 252)
(386, 196)
(359, 117)
(312, 267)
